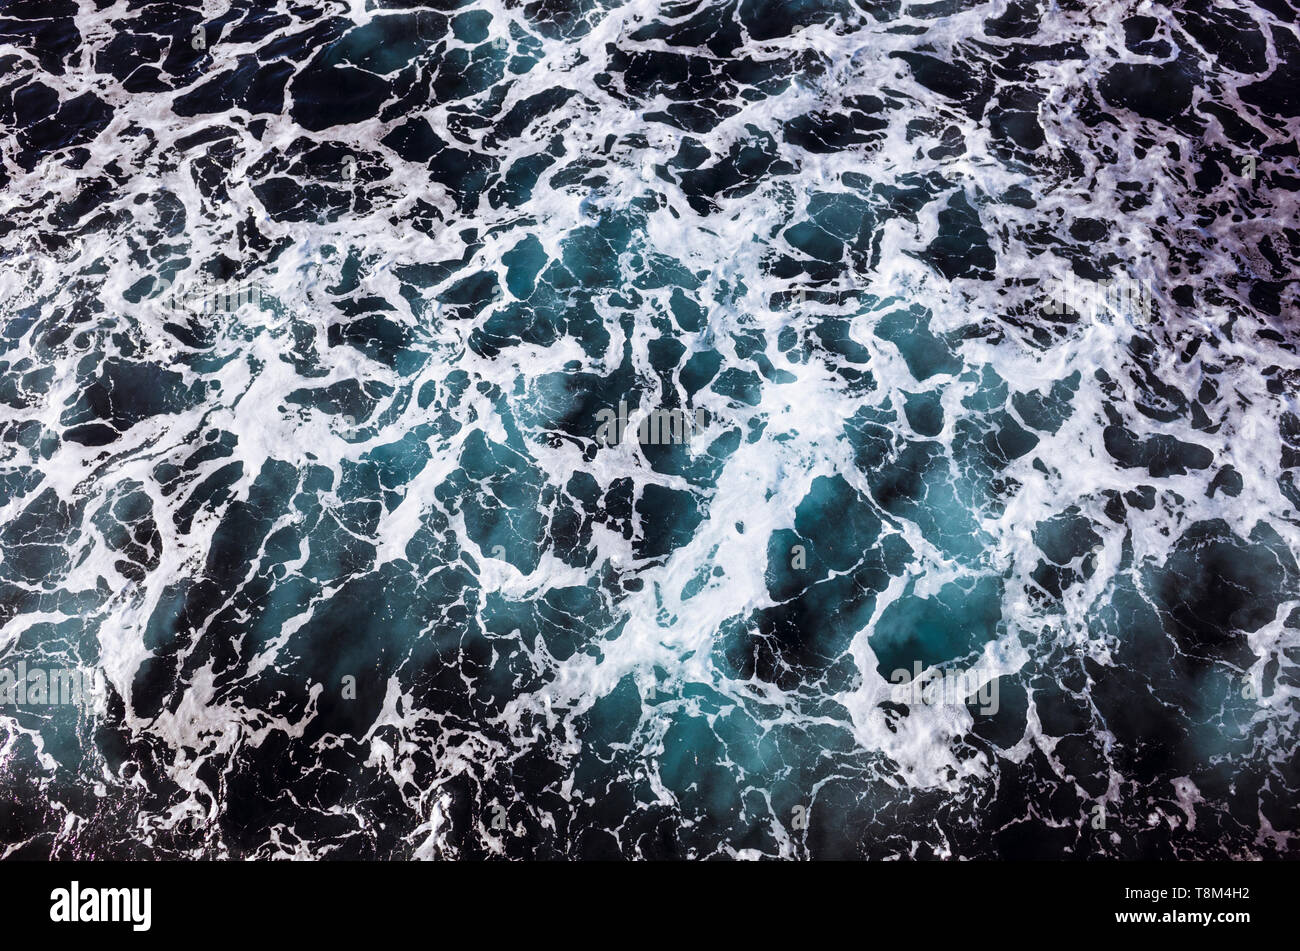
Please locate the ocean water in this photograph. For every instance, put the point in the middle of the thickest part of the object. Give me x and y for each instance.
(974, 534)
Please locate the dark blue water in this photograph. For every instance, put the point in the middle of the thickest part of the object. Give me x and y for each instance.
(724, 428)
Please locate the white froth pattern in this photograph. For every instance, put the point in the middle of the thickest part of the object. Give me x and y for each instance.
(665, 637)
